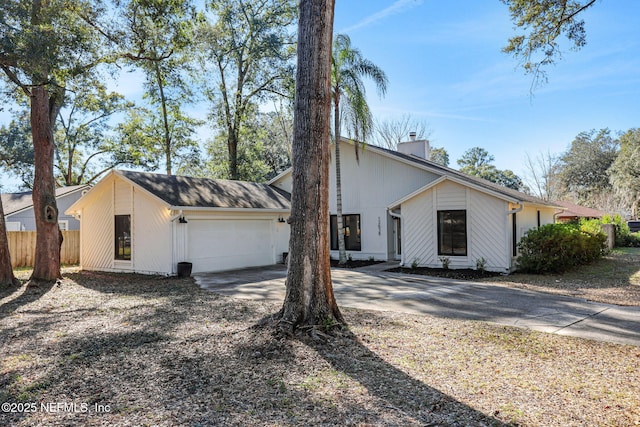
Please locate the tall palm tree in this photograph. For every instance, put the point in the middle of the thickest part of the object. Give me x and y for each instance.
(348, 68)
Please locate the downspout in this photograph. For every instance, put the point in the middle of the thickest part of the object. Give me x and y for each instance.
(399, 216)
(174, 240)
(514, 231)
(516, 210)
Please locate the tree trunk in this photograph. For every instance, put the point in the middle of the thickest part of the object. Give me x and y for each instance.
(340, 223)
(165, 119)
(309, 296)
(232, 145)
(6, 272)
(47, 256)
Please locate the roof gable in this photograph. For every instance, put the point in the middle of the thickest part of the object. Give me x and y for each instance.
(13, 203)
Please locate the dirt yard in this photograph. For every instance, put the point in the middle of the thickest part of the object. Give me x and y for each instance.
(128, 350)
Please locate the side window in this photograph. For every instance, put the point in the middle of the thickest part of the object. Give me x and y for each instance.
(123, 237)
(452, 233)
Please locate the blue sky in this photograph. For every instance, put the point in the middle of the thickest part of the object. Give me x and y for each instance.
(445, 66)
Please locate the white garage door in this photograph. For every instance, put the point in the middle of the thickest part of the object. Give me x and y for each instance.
(215, 245)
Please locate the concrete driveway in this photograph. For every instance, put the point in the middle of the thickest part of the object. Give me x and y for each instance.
(371, 288)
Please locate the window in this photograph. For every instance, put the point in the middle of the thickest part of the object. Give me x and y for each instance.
(63, 225)
(352, 238)
(123, 237)
(452, 233)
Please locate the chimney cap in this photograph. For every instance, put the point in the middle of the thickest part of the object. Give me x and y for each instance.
(412, 135)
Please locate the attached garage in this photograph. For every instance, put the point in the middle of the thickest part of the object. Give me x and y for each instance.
(224, 244)
(148, 223)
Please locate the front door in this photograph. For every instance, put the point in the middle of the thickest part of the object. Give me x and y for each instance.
(397, 231)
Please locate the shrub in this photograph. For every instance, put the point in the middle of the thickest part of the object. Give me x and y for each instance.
(554, 248)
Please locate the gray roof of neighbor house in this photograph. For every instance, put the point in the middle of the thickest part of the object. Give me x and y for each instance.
(16, 202)
(488, 185)
(183, 191)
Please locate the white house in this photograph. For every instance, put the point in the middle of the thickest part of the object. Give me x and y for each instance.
(18, 208)
(398, 205)
(148, 223)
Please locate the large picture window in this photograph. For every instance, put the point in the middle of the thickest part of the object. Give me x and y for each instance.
(123, 237)
(352, 238)
(452, 233)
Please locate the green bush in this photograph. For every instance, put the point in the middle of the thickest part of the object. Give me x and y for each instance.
(554, 248)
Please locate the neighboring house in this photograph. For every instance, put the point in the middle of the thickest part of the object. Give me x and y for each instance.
(397, 205)
(148, 223)
(573, 212)
(18, 208)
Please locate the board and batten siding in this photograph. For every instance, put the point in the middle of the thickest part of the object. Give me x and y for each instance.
(487, 227)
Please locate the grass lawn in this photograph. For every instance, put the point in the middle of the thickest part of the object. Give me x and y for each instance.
(614, 279)
(127, 350)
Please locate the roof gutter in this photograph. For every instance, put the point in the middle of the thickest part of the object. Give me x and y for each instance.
(218, 209)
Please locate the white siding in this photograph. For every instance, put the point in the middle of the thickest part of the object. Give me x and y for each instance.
(451, 196)
(419, 230)
(488, 226)
(368, 187)
(150, 235)
(285, 182)
(96, 232)
(122, 197)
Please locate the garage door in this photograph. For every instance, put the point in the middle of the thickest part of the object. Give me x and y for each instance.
(215, 245)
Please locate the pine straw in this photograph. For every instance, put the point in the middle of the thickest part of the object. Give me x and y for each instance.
(161, 352)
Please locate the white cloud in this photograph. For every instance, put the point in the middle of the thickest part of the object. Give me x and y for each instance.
(398, 7)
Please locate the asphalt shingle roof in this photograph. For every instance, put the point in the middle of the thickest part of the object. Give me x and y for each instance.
(14, 202)
(488, 185)
(573, 210)
(183, 191)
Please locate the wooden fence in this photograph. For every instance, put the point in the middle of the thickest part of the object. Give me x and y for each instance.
(22, 246)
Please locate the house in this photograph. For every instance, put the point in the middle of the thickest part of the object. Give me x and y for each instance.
(18, 208)
(148, 223)
(397, 205)
(572, 212)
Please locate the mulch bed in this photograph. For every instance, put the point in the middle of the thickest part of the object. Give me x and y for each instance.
(457, 274)
(354, 263)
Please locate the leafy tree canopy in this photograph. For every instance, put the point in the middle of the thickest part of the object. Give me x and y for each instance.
(584, 165)
(542, 23)
(625, 170)
(478, 162)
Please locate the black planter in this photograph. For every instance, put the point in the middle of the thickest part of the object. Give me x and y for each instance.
(184, 269)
